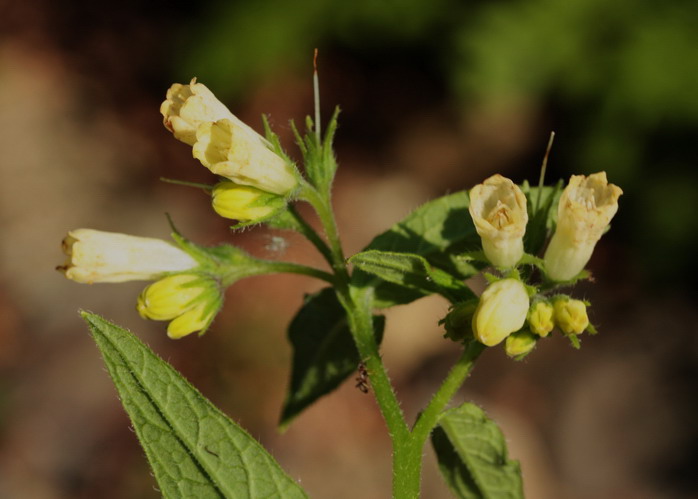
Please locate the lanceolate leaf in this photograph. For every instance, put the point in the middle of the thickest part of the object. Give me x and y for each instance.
(472, 456)
(413, 272)
(193, 448)
(439, 231)
(324, 354)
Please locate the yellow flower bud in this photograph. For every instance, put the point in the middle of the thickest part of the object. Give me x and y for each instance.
(97, 256)
(570, 315)
(498, 209)
(188, 300)
(586, 207)
(501, 310)
(241, 155)
(540, 318)
(188, 106)
(520, 343)
(244, 203)
(196, 319)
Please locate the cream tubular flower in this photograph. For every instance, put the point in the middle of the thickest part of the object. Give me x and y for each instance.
(498, 209)
(96, 256)
(188, 106)
(501, 310)
(242, 155)
(586, 207)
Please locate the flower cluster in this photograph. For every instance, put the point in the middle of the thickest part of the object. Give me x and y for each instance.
(258, 181)
(257, 185)
(509, 309)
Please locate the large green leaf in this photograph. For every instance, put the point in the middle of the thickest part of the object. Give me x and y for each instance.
(472, 456)
(324, 354)
(439, 231)
(413, 272)
(193, 448)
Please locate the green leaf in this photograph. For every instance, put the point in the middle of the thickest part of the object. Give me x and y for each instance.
(472, 456)
(542, 214)
(413, 272)
(324, 354)
(193, 448)
(439, 231)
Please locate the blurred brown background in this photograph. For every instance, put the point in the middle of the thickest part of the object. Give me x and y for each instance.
(436, 96)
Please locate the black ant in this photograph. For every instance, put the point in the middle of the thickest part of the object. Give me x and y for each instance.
(362, 378)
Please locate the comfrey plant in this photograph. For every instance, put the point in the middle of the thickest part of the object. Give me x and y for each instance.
(496, 229)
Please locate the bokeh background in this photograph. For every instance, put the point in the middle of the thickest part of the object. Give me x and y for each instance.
(435, 97)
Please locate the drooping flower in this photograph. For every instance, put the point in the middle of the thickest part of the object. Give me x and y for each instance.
(244, 203)
(498, 209)
(242, 155)
(189, 301)
(570, 315)
(501, 310)
(97, 256)
(188, 106)
(586, 207)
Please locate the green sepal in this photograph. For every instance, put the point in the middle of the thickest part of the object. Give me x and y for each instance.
(458, 323)
(193, 448)
(472, 456)
(413, 272)
(318, 156)
(324, 354)
(275, 145)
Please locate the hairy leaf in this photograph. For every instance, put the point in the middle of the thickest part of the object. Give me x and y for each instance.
(413, 272)
(472, 456)
(324, 354)
(439, 231)
(542, 214)
(193, 448)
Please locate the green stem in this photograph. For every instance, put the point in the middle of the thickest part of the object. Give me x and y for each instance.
(307, 230)
(296, 268)
(323, 208)
(407, 458)
(459, 372)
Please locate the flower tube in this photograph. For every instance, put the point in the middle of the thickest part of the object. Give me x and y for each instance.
(97, 256)
(241, 155)
(498, 209)
(586, 207)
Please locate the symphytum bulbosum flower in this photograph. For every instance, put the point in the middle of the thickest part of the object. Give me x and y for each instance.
(520, 343)
(189, 301)
(501, 310)
(570, 315)
(586, 207)
(244, 203)
(188, 106)
(97, 256)
(242, 155)
(498, 209)
(540, 318)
